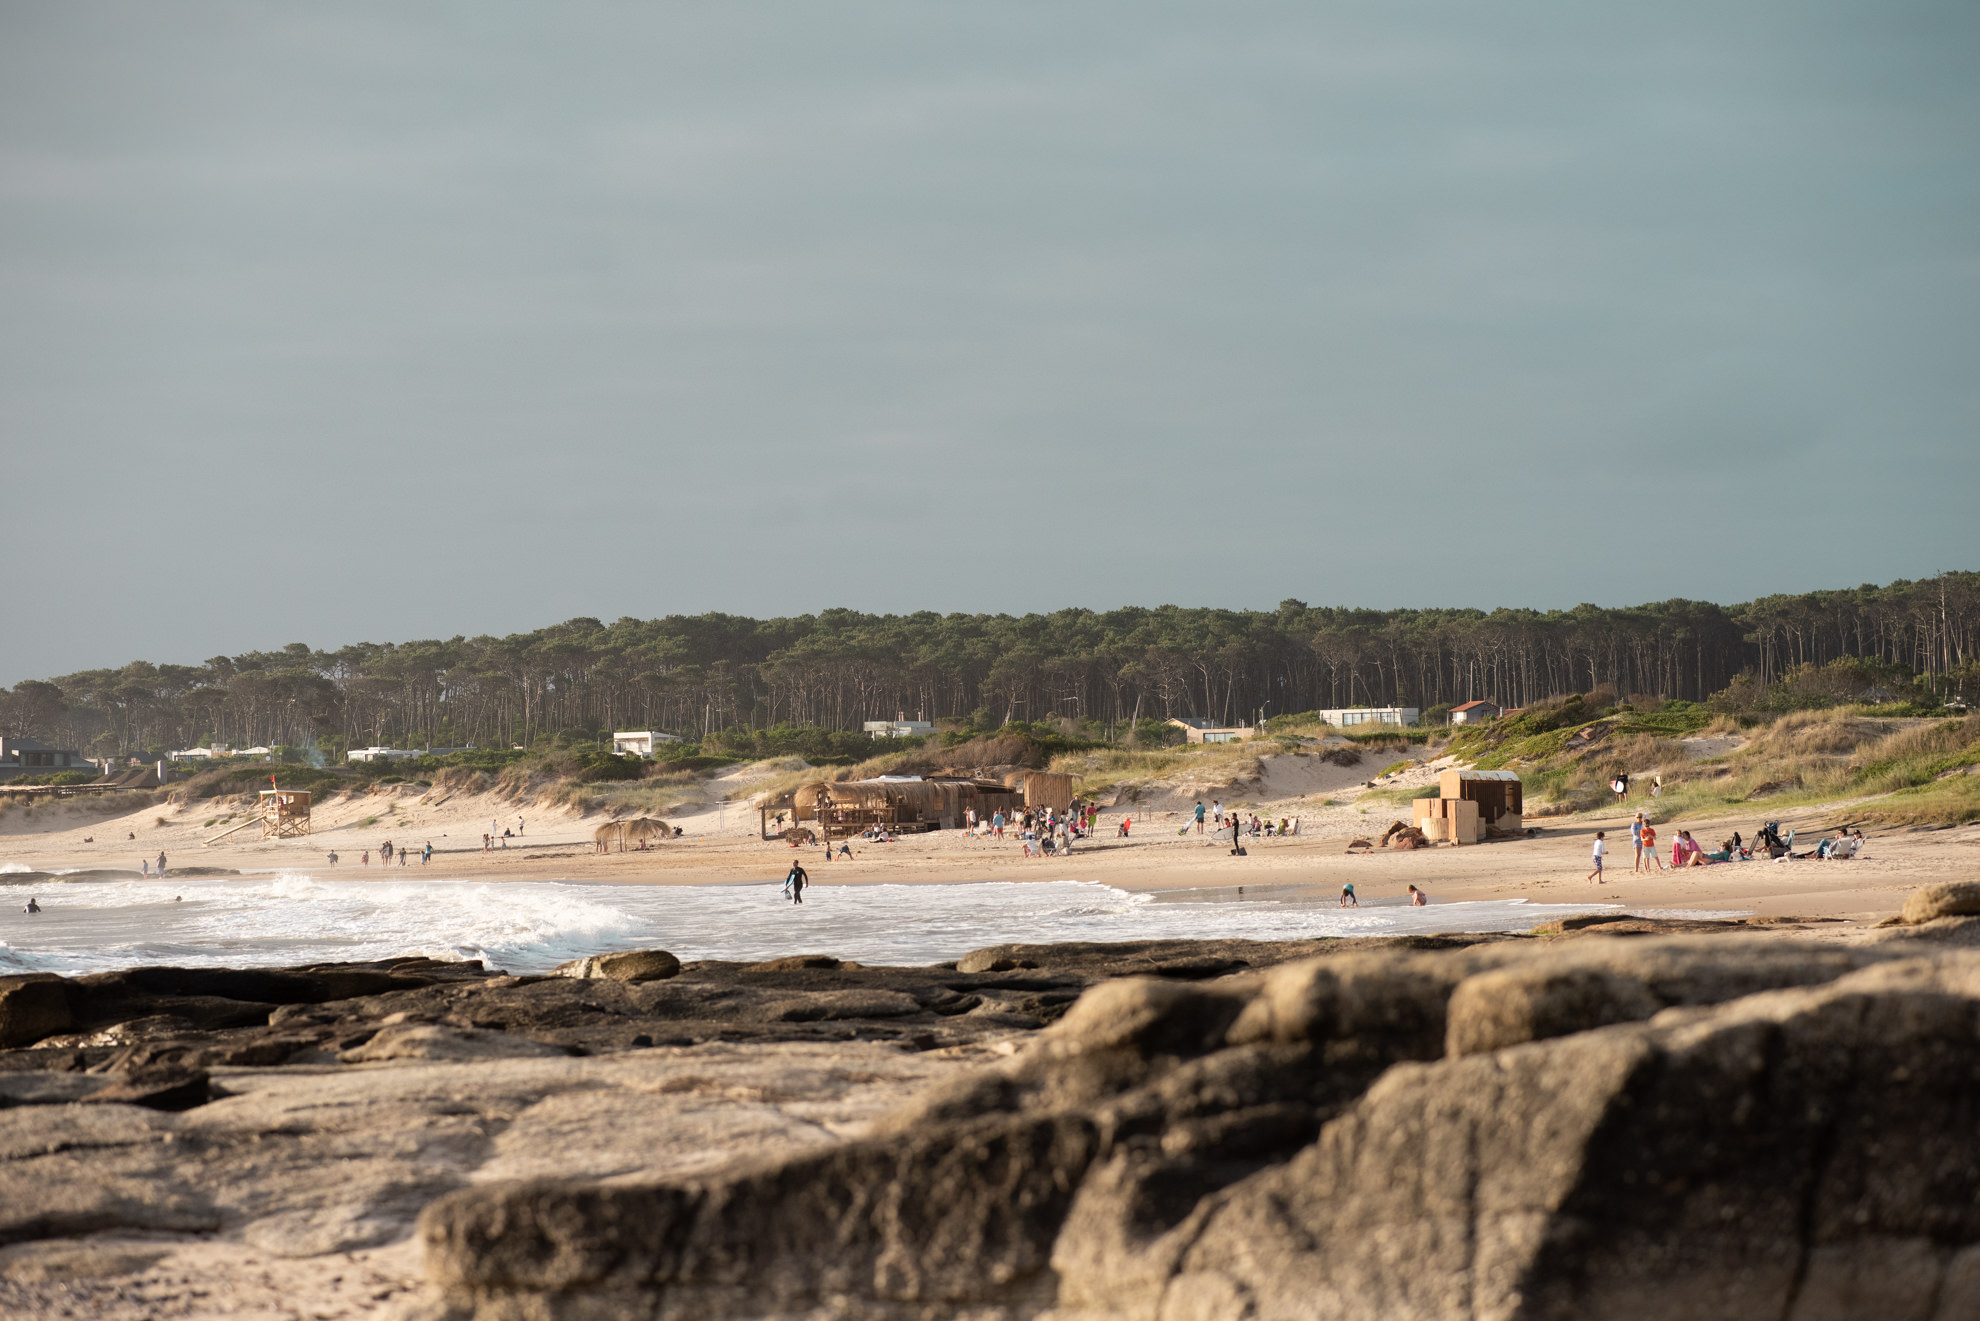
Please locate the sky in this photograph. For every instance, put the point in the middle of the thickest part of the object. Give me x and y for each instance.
(350, 322)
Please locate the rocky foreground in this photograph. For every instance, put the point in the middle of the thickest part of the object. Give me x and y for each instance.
(1610, 1120)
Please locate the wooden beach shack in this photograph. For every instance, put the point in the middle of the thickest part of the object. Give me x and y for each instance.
(1471, 806)
(839, 808)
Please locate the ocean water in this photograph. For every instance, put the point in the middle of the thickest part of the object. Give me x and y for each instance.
(531, 926)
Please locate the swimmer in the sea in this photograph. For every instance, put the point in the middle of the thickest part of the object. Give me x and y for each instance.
(33, 906)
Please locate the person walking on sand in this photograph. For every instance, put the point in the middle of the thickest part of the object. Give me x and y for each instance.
(144, 867)
(1199, 816)
(1217, 813)
(426, 854)
(1650, 846)
(161, 864)
(1347, 896)
(519, 825)
(795, 882)
(1636, 840)
(365, 857)
(1600, 849)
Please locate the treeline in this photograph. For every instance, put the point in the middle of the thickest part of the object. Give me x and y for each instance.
(1100, 671)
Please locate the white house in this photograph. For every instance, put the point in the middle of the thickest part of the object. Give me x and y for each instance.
(1197, 730)
(381, 754)
(1344, 717)
(640, 742)
(1475, 713)
(898, 728)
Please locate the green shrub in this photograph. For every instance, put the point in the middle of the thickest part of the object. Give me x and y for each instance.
(56, 779)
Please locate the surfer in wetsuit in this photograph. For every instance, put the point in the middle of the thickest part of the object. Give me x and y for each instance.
(795, 882)
(33, 906)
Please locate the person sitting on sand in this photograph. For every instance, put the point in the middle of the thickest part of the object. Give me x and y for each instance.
(1417, 899)
(1600, 849)
(1347, 896)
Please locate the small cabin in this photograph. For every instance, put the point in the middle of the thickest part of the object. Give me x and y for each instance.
(1475, 713)
(1471, 806)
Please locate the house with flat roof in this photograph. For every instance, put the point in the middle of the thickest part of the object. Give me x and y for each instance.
(898, 728)
(29, 756)
(1346, 717)
(1197, 730)
(640, 742)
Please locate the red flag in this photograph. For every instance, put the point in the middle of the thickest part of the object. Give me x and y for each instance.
(272, 784)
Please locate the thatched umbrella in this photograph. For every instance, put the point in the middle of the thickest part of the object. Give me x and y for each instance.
(642, 829)
(606, 835)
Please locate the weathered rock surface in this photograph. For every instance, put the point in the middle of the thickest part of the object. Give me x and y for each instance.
(1643, 1128)
(1944, 899)
(1564, 1125)
(636, 965)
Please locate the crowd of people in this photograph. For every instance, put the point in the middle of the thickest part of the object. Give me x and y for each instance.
(1686, 851)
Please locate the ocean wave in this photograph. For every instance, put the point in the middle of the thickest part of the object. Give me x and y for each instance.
(531, 926)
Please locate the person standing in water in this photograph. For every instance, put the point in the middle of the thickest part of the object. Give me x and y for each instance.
(161, 864)
(795, 882)
(33, 906)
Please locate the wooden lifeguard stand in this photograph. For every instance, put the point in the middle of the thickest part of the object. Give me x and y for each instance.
(284, 813)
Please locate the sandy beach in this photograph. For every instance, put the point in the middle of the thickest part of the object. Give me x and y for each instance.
(721, 845)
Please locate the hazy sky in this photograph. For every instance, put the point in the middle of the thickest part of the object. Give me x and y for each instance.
(337, 322)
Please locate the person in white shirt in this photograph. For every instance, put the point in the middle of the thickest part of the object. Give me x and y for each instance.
(1600, 849)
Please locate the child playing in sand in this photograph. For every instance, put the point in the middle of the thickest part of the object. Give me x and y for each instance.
(1600, 849)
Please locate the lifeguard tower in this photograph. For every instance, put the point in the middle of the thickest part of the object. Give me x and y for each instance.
(284, 813)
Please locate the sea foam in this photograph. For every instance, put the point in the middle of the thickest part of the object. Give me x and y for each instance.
(531, 926)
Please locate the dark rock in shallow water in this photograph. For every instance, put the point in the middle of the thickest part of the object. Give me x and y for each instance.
(1701, 1128)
